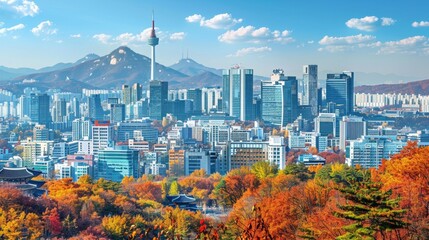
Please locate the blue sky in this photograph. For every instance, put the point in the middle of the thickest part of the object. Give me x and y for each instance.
(387, 37)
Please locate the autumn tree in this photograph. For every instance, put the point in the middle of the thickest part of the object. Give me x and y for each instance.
(230, 189)
(115, 226)
(174, 189)
(264, 169)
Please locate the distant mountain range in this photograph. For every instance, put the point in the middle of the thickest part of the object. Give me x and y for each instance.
(416, 87)
(124, 66)
(10, 73)
(192, 68)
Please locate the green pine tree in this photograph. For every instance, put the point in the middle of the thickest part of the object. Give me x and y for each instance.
(372, 210)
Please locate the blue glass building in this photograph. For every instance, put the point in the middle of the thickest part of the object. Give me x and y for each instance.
(340, 90)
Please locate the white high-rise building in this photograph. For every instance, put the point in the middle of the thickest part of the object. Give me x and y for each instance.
(309, 95)
(102, 135)
(81, 129)
(237, 99)
(277, 151)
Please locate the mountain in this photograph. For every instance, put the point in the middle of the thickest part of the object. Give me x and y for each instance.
(121, 66)
(203, 76)
(7, 73)
(205, 79)
(192, 68)
(60, 66)
(416, 87)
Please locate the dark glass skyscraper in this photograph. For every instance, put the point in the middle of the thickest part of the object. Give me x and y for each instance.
(196, 96)
(39, 109)
(158, 97)
(237, 97)
(94, 107)
(340, 90)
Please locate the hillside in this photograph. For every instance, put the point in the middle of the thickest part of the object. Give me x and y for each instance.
(416, 87)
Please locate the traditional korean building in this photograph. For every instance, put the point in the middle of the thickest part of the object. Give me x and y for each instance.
(21, 178)
(183, 202)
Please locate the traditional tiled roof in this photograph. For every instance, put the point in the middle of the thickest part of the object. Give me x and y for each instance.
(17, 173)
(182, 198)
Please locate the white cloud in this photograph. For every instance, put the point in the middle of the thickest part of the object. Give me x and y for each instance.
(420, 24)
(339, 44)
(23, 7)
(27, 8)
(327, 40)
(177, 36)
(126, 38)
(194, 18)
(44, 28)
(385, 21)
(220, 21)
(365, 24)
(13, 28)
(369, 23)
(75, 35)
(131, 38)
(415, 44)
(250, 50)
(255, 35)
(103, 38)
(410, 45)
(8, 2)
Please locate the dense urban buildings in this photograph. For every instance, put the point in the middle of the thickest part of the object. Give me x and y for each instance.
(140, 129)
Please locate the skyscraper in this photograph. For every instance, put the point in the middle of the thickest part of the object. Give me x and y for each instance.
(158, 95)
(39, 109)
(116, 163)
(126, 94)
(279, 99)
(102, 135)
(351, 128)
(326, 124)
(238, 93)
(59, 110)
(309, 96)
(131, 94)
(117, 113)
(196, 96)
(340, 90)
(94, 107)
(136, 92)
(152, 41)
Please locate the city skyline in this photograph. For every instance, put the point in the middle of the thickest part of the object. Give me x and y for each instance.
(222, 34)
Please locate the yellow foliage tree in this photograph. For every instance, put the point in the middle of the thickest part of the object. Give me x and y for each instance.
(115, 226)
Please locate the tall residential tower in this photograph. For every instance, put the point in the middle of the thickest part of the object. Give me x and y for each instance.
(309, 96)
